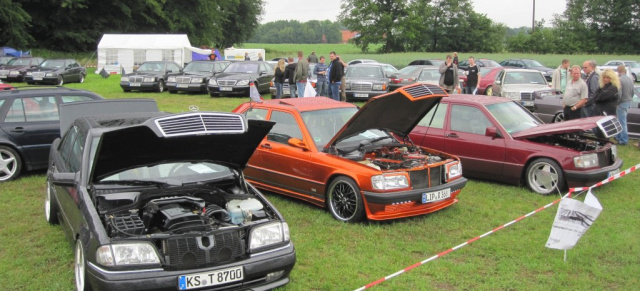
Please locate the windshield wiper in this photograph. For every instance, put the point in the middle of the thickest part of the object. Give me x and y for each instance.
(159, 183)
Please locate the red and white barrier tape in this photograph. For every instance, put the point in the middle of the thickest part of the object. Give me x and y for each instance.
(442, 254)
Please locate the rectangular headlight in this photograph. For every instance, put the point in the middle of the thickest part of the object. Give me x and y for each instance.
(213, 82)
(149, 79)
(243, 83)
(586, 161)
(51, 74)
(127, 254)
(14, 73)
(378, 87)
(124, 79)
(171, 79)
(196, 80)
(513, 95)
(29, 73)
(347, 86)
(390, 181)
(454, 170)
(268, 234)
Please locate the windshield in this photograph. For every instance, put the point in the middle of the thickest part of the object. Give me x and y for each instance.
(490, 63)
(243, 68)
(485, 70)
(513, 117)
(632, 64)
(437, 62)
(20, 62)
(364, 72)
(429, 75)
(524, 78)
(409, 70)
(151, 67)
(323, 125)
(199, 67)
(52, 64)
(532, 63)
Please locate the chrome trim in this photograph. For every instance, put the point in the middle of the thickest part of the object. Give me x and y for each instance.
(101, 270)
(271, 251)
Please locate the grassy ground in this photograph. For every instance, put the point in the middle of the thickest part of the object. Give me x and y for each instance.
(337, 256)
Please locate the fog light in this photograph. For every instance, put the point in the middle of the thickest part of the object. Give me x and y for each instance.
(274, 276)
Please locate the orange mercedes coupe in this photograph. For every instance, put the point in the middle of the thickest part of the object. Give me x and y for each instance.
(359, 163)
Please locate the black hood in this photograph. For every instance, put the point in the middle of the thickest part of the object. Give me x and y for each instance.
(224, 138)
(145, 74)
(397, 112)
(236, 76)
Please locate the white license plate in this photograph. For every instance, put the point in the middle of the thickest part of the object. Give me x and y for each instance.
(182, 85)
(286, 91)
(213, 278)
(527, 103)
(360, 95)
(37, 78)
(226, 88)
(436, 196)
(3, 77)
(134, 84)
(612, 173)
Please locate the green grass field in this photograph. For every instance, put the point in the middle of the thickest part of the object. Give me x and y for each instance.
(337, 256)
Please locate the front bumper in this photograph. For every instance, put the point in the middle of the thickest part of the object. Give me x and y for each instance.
(190, 87)
(364, 95)
(381, 206)
(42, 80)
(255, 268)
(12, 78)
(229, 90)
(586, 178)
(152, 86)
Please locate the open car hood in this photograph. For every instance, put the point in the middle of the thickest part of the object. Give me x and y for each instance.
(397, 112)
(608, 125)
(224, 138)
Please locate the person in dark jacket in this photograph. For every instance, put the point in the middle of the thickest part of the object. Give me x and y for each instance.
(278, 78)
(336, 72)
(589, 68)
(289, 73)
(606, 98)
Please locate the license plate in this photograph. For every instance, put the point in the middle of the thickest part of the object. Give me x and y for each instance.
(360, 95)
(613, 173)
(182, 85)
(3, 77)
(226, 88)
(213, 278)
(134, 84)
(436, 196)
(37, 78)
(286, 91)
(527, 103)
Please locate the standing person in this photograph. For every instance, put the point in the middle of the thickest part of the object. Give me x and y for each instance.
(312, 58)
(561, 76)
(448, 75)
(576, 95)
(246, 57)
(213, 56)
(606, 98)
(301, 74)
(589, 68)
(455, 58)
(626, 94)
(473, 77)
(260, 57)
(320, 71)
(336, 72)
(343, 83)
(278, 78)
(289, 72)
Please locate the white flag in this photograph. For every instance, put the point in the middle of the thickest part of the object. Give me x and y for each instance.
(253, 93)
(308, 90)
(572, 221)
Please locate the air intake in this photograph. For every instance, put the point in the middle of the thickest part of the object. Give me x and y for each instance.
(610, 126)
(201, 123)
(423, 90)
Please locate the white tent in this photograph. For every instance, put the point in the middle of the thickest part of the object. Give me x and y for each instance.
(117, 52)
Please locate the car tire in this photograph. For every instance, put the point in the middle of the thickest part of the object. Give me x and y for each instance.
(11, 164)
(344, 200)
(81, 78)
(50, 207)
(558, 117)
(80, 268)
(60, 80)
(544, 176)
(160, 86)
(488, 91)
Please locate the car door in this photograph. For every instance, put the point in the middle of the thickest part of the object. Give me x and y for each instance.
(264, 78)
(497, 84)
(32, 123)
(430, 130)
(482, 156)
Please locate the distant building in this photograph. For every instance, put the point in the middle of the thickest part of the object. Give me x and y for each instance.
(348, 34)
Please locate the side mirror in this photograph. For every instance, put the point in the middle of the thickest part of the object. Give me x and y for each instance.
(64, 179)
(498, 82)
(296, 142)
(491, 131)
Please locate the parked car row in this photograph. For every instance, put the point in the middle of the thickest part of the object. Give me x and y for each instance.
(36, 70)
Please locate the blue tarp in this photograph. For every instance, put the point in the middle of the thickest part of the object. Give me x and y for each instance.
(7, 51)
(203, 57)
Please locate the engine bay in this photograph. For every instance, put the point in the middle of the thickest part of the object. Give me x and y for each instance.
(571, 141)
(391, 156)
(179, 210)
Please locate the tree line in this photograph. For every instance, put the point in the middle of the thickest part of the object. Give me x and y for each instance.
(293, 31)
(78, 25)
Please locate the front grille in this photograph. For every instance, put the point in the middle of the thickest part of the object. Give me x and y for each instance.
(38, 74)
(227, 82)
(610, 126)
(183, 80)
(423, 90)
(526, 95)
(605, 158)
(419, 179)
(361, 86)
(436, 176)
(135, 79)
(212, 250)
(201, 123)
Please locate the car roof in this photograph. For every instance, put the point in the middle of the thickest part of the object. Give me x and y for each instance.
(520, 70)
(305, 104)
(19, 91)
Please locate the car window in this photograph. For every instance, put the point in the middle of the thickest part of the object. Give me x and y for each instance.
(323, 125)
(436, 121)
(75, 156)
(174, 68)
(67, 144)
(70, 99)
(468, 119)
(241, 67)
(632, 64)
(286, 127)
(257, 114)
(32, 109)
(263, 68)
(513, 117)
(52, 64)
(409, 70)
(429, 75)
(533, 63)
(367, 72)
(524, 78)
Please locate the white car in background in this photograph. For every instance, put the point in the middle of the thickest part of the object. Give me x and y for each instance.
(519, 85)
(633, 67)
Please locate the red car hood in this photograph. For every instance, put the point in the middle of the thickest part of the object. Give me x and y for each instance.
(397, 112)
(571, 126)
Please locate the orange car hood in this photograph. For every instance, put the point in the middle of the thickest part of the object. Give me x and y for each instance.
(570, 126)
(397, 112)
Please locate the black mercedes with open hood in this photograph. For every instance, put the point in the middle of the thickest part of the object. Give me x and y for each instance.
(157, 201)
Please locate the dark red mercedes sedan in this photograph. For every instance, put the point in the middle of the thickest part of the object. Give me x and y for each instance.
(498, 139)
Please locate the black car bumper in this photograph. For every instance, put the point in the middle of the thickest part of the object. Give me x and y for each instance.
(12, 78)
(590, 177)
(200, 87)
(140, 86)
(43, 80)
(364, 95)
(229, 90)
(255, 273)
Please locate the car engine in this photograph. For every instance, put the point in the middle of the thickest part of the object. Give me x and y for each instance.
(391, 156)
(571, 141)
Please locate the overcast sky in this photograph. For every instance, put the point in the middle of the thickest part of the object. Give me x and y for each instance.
(513, 13)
